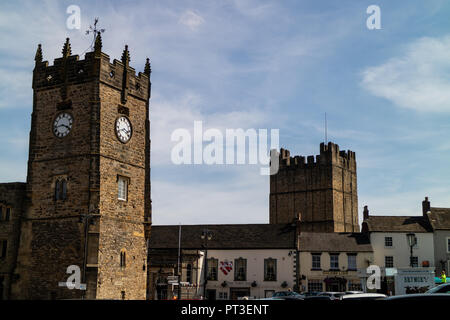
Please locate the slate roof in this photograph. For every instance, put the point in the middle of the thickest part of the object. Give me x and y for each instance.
(334, 242)
(225, 236)
(398, 224)
(440, 218)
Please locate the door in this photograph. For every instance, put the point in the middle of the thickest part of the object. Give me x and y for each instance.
(236, 293)
(210, 294)
(335, 285)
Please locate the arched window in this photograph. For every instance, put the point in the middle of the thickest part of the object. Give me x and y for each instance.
(189, 273)
(61, 189)
(8, 214)
(57, 190)
(123, 259)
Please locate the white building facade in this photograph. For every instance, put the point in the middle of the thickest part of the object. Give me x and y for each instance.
(393, 254)
(255, 273)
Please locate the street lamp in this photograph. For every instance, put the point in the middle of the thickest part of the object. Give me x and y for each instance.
(412, 241)
(205, 236)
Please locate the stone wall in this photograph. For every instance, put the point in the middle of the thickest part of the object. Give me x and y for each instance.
(323, 189)
(12, 197)
(91, 227)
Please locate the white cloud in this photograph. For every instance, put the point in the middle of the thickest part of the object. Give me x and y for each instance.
(418, 79)
(243, 198)
(191, 19)
(167, 115)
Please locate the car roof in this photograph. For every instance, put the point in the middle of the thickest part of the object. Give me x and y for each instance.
(362, 295)
(420, 295)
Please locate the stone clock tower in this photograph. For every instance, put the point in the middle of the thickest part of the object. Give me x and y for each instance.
(88, 183)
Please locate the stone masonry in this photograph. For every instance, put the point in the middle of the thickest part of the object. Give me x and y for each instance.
(90, 228)
(323, 190)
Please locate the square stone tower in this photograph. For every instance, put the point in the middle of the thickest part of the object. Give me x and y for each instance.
(88, 182)
(323, 190)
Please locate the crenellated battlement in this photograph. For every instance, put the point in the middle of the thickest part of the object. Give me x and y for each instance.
(69, 69)
(322, 187)
(329, 154)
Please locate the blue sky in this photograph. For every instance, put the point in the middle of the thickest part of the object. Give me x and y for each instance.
(260, 64)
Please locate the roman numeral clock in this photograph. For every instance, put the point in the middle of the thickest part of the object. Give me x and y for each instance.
(123, 129)
(62, 124)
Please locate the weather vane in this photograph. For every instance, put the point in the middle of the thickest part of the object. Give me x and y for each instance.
(94, 31)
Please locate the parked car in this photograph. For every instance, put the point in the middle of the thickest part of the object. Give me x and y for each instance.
(421, 297)
(332, 295)
(318, 298)
(310, 293)
(363, 296)
(442, 288)
(288, 295)
(353, 292)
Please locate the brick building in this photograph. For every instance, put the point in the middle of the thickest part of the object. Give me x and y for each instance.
(323, 189)
(86, 201)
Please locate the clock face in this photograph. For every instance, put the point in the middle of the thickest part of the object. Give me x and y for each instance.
(123, 129)
(62, 125)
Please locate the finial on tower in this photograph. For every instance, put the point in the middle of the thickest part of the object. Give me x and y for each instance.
(126, 56)
(147, 68)
(98, 44)
(38, 56)
(66, 51)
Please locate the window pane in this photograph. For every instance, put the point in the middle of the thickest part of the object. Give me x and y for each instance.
(315, 286)
(270, 269)
(334, 261)
(388, 241)
(57, 190)
(122, 188)
(354, 285)
(352, 262)
(64, 190)
(8, 214)
(212, 269)
(389, 262)
(316, 261)
(240, 272)
(189, 273)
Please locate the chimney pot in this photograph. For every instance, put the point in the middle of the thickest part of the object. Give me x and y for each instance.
(426, 206)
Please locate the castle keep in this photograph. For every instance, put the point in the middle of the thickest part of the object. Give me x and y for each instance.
(322, 189)
(86, 201)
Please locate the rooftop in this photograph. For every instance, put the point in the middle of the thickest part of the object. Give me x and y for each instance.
(334, 242)
(225, 236)
(439, 218)
(398, 224)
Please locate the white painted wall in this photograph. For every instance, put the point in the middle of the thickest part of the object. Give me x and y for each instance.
(255, 270)
(400, 250)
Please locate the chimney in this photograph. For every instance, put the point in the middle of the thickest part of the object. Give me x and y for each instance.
(365, 213)
(425, 206)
